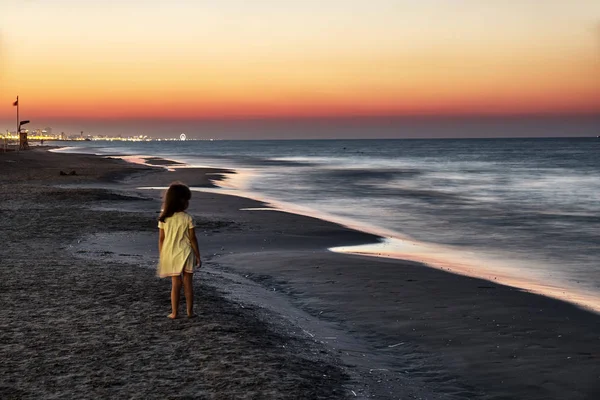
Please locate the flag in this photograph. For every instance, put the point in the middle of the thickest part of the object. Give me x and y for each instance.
(16, 103)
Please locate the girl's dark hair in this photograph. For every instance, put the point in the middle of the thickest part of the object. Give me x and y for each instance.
(176, 200)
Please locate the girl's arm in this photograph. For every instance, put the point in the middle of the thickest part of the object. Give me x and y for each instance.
(161, 239)
(194, 242)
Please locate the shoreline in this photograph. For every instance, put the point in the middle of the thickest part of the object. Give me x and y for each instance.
(270, 274)
(390, 244)
(404, 329)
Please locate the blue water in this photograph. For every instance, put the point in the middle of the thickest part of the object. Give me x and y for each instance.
(534, 203)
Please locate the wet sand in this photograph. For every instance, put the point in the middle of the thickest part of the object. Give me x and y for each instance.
(350, 325)
(88, 328)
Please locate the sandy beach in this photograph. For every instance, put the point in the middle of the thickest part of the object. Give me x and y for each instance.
(280, 316)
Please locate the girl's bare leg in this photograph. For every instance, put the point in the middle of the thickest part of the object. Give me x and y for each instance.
(175, 290)
(188, 290)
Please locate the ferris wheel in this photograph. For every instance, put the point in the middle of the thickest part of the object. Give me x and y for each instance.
(182, 137)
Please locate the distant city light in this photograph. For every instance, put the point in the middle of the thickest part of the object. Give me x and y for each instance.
(47, 135)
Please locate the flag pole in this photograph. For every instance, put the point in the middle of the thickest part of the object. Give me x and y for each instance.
(18, 130)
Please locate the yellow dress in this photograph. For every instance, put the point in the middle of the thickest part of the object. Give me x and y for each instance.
(177, 254)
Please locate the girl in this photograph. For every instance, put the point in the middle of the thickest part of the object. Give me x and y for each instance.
(178, 246)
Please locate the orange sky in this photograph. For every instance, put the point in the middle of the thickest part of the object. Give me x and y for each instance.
(190, 59)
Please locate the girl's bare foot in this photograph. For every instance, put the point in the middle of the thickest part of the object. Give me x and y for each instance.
(172, 316)
(192, 316)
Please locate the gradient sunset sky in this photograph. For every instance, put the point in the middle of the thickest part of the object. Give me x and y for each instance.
(188, 60)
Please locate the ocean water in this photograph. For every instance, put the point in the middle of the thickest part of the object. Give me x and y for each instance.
(521, 211)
